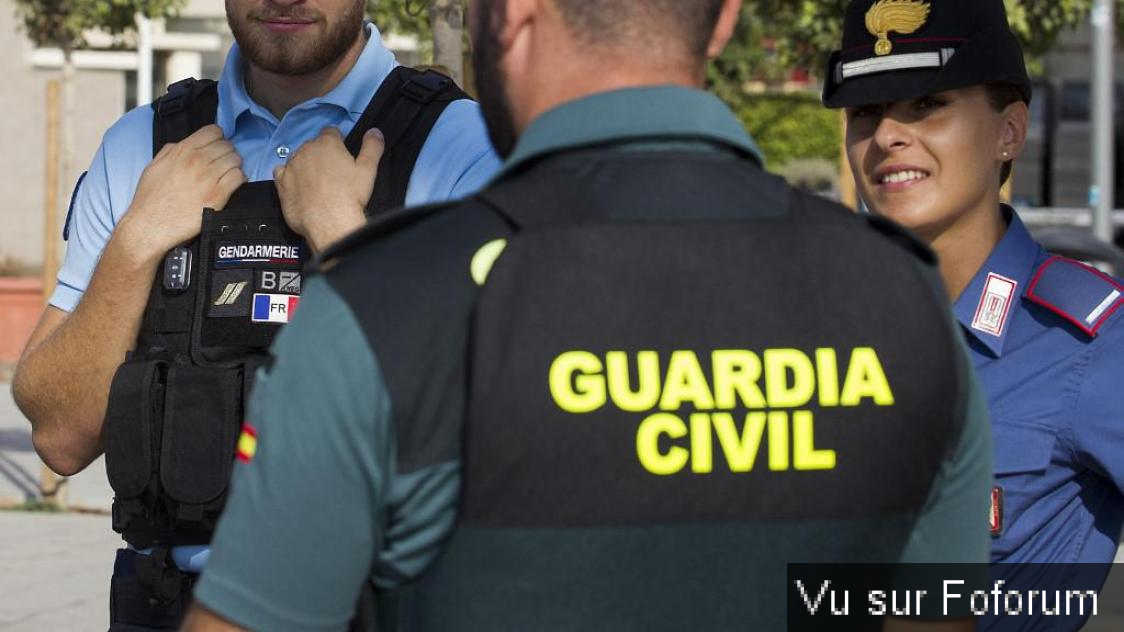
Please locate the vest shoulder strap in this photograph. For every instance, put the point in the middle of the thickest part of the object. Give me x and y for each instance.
(540, 198)
(405, 108)
(187, 106)
(531, 201)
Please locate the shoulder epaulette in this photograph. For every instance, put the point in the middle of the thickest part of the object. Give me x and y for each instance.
(1080, 294)
(899, 235)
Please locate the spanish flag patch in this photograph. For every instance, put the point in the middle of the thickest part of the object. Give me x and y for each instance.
(247, 443)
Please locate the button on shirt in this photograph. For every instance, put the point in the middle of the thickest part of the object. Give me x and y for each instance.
(455, 161)
(1057, 410)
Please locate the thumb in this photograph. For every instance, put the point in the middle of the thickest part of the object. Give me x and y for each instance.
(278, 172)
(374, 144)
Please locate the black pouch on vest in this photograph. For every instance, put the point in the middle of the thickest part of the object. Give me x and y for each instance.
(132, 439)
(200, 430)
(251, 268)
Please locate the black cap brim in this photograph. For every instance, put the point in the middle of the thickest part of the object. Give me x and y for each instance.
(998, 46)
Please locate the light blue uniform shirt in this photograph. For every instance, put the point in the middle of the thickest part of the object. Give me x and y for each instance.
(456, 160)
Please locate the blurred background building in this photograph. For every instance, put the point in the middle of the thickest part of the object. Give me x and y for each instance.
(193, 44)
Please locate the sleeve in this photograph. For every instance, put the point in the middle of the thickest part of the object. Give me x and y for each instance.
(1098, 417)
(97, 205)
(457, 158)
(89, 223)
(303, 524)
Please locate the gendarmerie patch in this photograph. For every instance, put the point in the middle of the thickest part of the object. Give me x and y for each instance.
(995, 304)
(230, 293)
(233, 253)
(274, 308)
(282, 281)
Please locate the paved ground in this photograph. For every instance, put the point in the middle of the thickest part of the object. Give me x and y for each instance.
(21, 470)
(54, 571)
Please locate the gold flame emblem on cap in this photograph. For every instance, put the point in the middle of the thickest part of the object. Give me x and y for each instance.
(894, 16)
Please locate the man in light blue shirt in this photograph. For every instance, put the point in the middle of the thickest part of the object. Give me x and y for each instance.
(455, 161)
(297, 72)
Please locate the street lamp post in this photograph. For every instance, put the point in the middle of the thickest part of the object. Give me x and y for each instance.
(144, 59)
(1102, 191)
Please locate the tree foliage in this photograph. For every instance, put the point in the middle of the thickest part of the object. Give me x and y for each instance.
(407, 17)
(791, 126)
(63, 23)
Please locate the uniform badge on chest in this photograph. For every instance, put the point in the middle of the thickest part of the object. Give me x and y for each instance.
(995, 304)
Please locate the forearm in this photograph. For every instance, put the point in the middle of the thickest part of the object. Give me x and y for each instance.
(62, 382)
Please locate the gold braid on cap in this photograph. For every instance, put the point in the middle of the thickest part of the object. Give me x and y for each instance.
(897, 16)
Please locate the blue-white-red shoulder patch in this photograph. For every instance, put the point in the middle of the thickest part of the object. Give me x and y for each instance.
(1081, 294)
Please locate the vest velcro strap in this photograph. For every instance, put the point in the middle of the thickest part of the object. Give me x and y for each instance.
(423, 87)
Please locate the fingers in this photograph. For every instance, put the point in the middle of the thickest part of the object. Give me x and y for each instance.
(216, 150)
(227, 184)
(374, 144)
(203, 136)
(225, 163)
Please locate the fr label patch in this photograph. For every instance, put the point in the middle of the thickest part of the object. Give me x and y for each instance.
(274, 308)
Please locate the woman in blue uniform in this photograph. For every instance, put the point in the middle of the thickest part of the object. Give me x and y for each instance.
(936, 95)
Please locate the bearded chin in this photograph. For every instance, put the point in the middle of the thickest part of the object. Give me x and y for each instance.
(490, 84)
(289, 56)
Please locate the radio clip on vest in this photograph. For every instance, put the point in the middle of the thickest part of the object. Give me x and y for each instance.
(177, 269)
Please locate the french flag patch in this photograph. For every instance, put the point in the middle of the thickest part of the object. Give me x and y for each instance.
(274, 308)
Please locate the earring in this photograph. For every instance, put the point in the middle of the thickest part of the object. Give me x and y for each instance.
(1006, 154)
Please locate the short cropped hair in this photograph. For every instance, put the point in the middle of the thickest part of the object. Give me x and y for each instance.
(640, 22)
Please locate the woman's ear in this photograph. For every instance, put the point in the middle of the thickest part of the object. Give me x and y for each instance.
(1016, 121)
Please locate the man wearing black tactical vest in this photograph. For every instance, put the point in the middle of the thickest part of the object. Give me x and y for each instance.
(191, 299)
(618, 389)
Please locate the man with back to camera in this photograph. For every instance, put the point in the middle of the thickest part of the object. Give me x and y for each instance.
(618, 389)
(195, 311)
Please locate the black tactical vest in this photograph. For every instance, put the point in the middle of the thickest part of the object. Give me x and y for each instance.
(176, 405)
(679, 376)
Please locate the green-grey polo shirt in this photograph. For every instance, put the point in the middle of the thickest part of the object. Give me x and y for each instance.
(321, 508)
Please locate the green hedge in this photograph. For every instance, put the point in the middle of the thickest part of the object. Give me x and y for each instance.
(791, 126)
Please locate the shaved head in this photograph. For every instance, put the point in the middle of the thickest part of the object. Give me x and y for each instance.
(685, 25)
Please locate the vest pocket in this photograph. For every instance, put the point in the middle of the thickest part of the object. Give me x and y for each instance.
(132, 416)
(200, 431)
